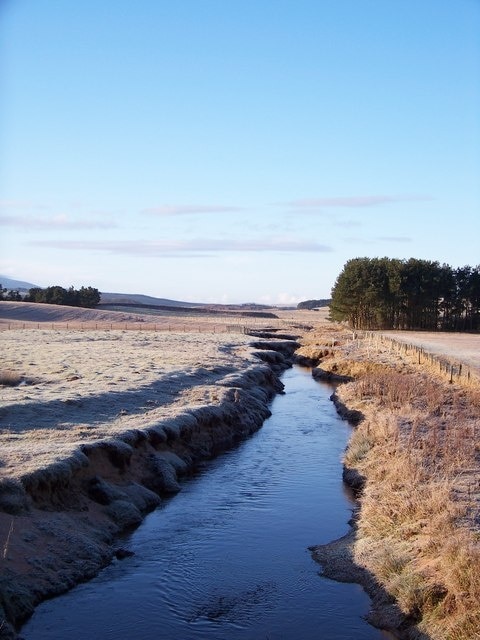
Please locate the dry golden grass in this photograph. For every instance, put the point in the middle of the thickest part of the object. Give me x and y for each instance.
(418, 448)
(418, 528)
(418, 523)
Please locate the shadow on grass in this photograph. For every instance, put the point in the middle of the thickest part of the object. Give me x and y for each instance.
(106, 406)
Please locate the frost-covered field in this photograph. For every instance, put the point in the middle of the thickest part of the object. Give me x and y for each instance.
(83, 386)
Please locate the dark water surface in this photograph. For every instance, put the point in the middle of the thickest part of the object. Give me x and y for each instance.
(228, 556)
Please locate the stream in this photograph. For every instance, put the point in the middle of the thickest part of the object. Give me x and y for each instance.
(228, 556)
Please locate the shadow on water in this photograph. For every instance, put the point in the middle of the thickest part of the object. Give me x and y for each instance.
(228, 556)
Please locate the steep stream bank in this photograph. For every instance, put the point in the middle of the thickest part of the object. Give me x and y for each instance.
(62, 522)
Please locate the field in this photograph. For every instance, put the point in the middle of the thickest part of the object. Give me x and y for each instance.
(100, 410)
(84, 385)
(75, 375)
(79, 387)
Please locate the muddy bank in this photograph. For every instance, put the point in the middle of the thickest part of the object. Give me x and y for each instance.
(61, 523)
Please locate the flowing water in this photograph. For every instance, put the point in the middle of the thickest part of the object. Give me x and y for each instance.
(228, 556)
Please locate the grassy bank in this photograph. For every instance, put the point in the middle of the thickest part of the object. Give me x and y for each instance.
(417, 450)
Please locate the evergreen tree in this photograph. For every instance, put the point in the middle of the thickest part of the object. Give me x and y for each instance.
(84, 297)
(88, 297)
(381, 293)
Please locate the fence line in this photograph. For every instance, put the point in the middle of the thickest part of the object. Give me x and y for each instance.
(453, 370)
(204, 325)
(128, 326)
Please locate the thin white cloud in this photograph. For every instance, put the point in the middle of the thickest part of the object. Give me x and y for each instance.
(281, 298)
(347, 224)
(394, 239)
(21, 204)
(195, 247)
(37, 223)
(176, 210)
(354, 201)
(357, 240)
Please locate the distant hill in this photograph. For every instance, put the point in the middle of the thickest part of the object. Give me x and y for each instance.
(129, 301)
(10, 283)
(138, 298)
(138, 303)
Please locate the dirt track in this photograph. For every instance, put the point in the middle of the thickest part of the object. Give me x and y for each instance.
(458, 347)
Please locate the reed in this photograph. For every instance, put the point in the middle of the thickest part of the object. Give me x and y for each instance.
(7, 540)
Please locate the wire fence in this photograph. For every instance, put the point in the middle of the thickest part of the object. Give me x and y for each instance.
(454, 370)
(206, 325)
(129, 326)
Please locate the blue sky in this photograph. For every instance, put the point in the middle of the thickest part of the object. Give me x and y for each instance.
(235, 150)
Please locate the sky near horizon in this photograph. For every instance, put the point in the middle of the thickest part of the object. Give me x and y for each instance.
(235, 150)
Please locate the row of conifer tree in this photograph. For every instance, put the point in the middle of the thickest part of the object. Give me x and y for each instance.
(386, 293)
(84, 297)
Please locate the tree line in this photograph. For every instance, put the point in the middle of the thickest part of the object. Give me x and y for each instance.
(88, 297)
(313, 304)
(10, 294)
(385, 293)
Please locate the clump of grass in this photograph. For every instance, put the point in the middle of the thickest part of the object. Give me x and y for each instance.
(10, 378)
(358, 448)
(393, 389)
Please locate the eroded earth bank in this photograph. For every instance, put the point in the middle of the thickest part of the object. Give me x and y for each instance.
(96, 429)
